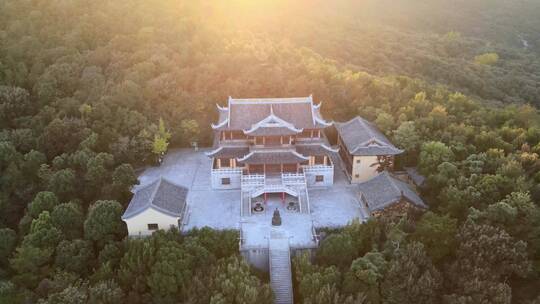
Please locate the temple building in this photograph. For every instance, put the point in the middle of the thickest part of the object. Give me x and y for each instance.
(385, 194)
(158, 205)
(364, 150)
(271, 145)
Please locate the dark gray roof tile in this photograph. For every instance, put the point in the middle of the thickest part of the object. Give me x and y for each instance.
(268, 156)
(242, 114)
(161, 195)
(384, 190)
(361, 137)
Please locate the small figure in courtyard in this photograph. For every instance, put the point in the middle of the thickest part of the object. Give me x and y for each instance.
(276, 218)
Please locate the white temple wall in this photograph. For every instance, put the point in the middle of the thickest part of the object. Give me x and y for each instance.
(326, 173)
(257, 257)
(138, 224)
(364, 168)
(234, 177)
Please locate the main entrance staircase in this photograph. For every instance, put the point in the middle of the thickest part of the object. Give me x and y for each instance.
(280, 267)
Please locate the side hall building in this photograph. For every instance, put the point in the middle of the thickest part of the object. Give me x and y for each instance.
(364, 150)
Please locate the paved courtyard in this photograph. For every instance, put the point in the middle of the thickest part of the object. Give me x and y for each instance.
(333, 206)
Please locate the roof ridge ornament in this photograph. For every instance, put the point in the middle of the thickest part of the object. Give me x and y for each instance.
(312, 108)
(272, 121)
(229, 112)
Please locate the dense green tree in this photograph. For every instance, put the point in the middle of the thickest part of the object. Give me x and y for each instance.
(103, 222)
(78, 96)
(437, 233)
(62, 183)
(136, 264)
(337, 249)
(161, 140)
(411, 277)
(69, 218)
(31, 264)
(14, 103)
(8, 240)
(44, 201)
(43, 233)
(69, 295)
(123, 178)
(486, 257)
(330, 294)
(365, 275)
(407, 137)
(432, 155)
(107, 292)
(486, 59)
(74, 256)
(233, 283)
(171, 272)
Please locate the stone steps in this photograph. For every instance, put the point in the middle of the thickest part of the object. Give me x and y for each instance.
(245, 201)
(280, 269)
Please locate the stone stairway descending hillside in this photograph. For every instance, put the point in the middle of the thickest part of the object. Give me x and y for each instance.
(245, 201)
(280, 267)
(303, 200)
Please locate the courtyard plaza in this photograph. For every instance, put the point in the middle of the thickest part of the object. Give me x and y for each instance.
(332, 206)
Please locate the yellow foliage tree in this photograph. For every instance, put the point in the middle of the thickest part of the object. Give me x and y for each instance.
(486, 59)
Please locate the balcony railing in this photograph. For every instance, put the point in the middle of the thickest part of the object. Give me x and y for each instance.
(293, 179)
(251, 182)
(317, 168)
(227, 170)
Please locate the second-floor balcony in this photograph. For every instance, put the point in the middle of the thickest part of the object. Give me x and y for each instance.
(276, 182)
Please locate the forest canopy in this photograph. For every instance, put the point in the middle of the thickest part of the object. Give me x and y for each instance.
(92, 91)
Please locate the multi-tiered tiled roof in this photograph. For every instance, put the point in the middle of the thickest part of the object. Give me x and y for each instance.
(246, 114)
(270, 117)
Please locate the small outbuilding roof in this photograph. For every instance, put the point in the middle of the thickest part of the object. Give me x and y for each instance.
(362, 138)
(161, 195)
(417, 178)
(384, 190)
